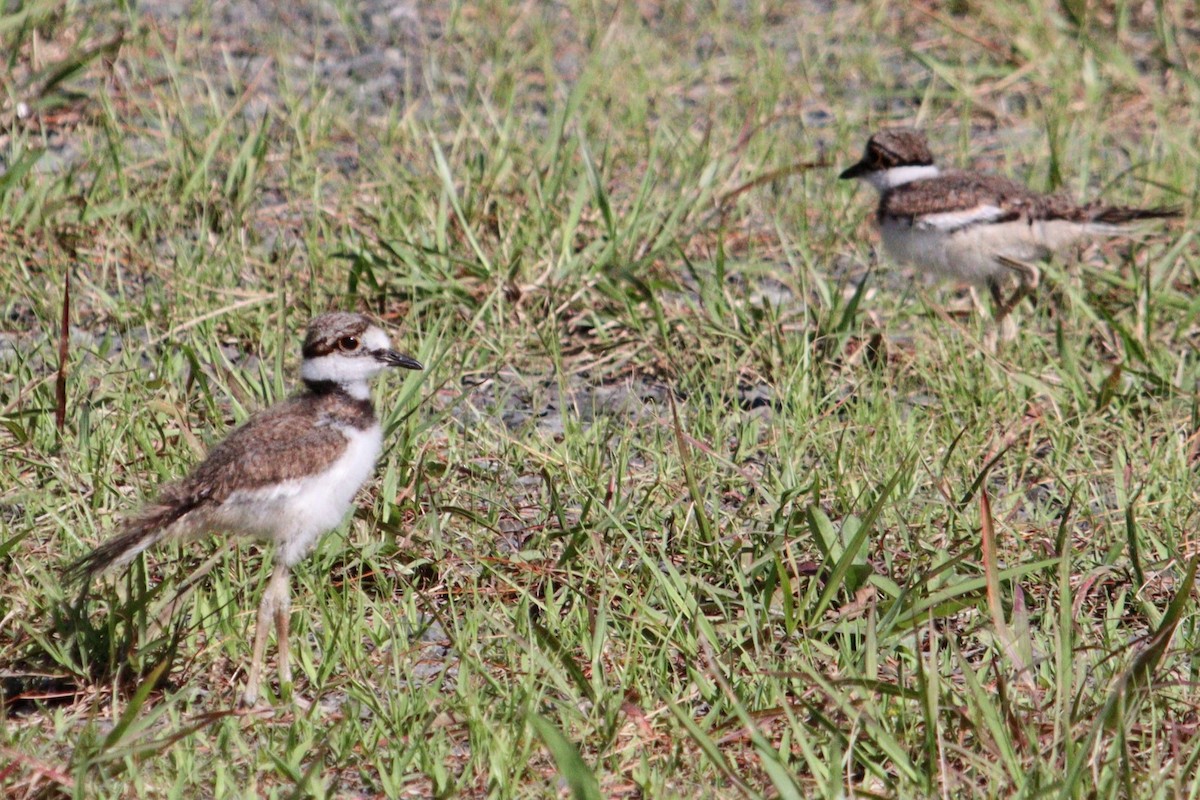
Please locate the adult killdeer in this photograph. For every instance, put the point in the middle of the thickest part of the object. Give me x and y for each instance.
(974, 227)
(288, 474)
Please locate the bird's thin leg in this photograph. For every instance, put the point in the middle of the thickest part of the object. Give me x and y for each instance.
(250, 695)
(997, 298)
(1004, 328)
(1028, 277)
(975, 302)
(283, 616)
(276, 589)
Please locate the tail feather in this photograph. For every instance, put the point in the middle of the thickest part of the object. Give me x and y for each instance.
(1115, 215)
(151, 526)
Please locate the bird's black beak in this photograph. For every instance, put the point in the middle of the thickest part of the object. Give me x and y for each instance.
(855, 171)
(394, 359)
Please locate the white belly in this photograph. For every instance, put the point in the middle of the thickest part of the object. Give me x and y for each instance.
(972, 254)
(295, 513)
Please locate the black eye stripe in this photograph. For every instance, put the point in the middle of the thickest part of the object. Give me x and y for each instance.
(323, 347)
(316, 349)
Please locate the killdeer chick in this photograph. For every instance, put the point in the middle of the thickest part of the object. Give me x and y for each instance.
(288, 474)
(974, 227)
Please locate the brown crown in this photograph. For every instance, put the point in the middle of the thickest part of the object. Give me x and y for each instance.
(325, 331)
(901, 147)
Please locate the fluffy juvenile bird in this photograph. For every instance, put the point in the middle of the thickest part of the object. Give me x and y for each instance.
(973, 227)
(288, 474)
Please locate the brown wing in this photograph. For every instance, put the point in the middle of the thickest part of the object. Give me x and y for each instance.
(276, 445)
(952, 191)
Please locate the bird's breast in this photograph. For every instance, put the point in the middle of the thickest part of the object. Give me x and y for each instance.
(326, 496)
(296, 512)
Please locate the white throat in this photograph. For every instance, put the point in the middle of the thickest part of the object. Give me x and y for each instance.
(359, 390)
(886, 179)
(351, 374)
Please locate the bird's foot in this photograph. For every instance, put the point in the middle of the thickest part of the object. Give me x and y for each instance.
(1006, 328)
(248, 699)
(251, 700)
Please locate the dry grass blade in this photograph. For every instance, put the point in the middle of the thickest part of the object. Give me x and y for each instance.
(1014, 649)
(64, 343)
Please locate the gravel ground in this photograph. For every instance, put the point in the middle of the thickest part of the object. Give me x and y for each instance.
(371, 56)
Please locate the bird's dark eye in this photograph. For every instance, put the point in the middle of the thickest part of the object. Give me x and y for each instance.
(348, 343)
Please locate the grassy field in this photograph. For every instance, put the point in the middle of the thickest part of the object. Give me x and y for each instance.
(696, 496)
